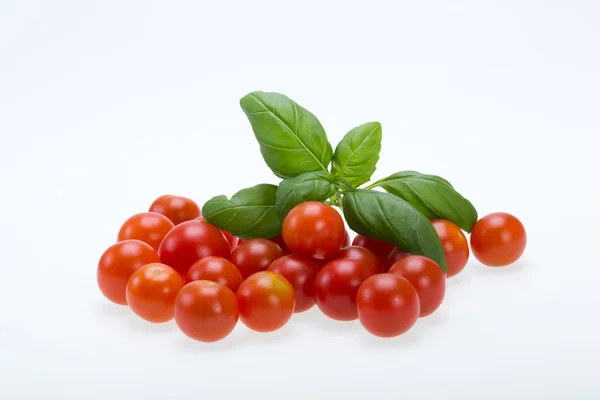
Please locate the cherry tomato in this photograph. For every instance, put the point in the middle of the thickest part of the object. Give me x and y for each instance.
(232, 240)
(190, 241)
(281, 243)
(498, 239)
(266, 301)
(255, 255)
(152, 290)
(117, 264)
(206, 311)
(149, 227)
(388, 305)
(336, 285)
(381, 249)
(300, 272)
(177, 208)
(427, 277)
(363, 255)
(396, 255)
(215, 269)
(347, 241)
(314, 229)
(456, 246)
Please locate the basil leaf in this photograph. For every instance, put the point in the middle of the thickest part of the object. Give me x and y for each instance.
(389, 218)
(292, 140)
(310, 186)
(433, 196)
(356, 155)
(250, 213)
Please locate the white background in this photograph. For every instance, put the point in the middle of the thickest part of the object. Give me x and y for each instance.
(106, 105)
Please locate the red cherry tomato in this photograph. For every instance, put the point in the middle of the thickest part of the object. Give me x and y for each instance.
(300, 272)
(190, 241)
(347, 241)
(395, 256)
(363, 255)
(177, 208)
(255, 255)
(117, 264)
(456, 246)
(314, 229)
(388, 305)
(215, 269)
(266, 301)
(498, 239)
(206, 311)
(427, 277)
(152, 290)
(149, 227)
(232, 240)
(281, 243)
(336, 285)
(381, 249)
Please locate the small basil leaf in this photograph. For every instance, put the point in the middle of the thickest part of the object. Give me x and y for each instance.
(310, 186)
(250, 213)
(356, 155)
(433, 196)
(389, 218)
(292, 140)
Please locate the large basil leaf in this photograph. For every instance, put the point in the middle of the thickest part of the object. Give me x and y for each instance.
(356, 155)
(433, 196)
(310, 186)
(249, 214)
(292, 140)
(389, 218)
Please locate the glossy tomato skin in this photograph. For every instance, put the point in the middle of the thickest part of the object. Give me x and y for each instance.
(266, 301)
(232, 240)
(395, 256)
(149, 227)
(347, 241)
(314, 229)
(300, 272)
(281, 243)
(388, 305)
(215, 269)
(152, 290)
(427, 278)
(255, 255)
(206, 311)
(381, 249)
(177, 208)
(456, 246)
(361, 254)
(190, 241)
(336, 285)
(117, 264)
(498, 239)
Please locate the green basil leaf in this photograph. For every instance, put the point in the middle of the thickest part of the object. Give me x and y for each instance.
(292, 140)
(356, 155)
(310, 186)
(250, 213)
(389, 218)
(431, 195)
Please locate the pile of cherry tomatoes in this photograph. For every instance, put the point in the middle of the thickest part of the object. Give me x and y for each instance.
(168, 263)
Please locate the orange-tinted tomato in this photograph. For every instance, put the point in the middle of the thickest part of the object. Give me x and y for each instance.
(266, 301)
(149, 227)
(456, 246)
(206, 311)
(117, 264)
(177, 208)
(427, 277)
(215, 269)
(498, 239)
(388, 305)
(152, 290)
